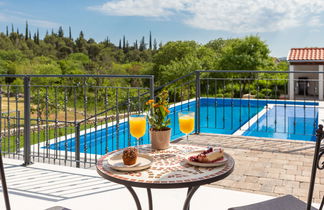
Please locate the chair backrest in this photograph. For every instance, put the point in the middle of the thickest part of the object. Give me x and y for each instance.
(317, 164)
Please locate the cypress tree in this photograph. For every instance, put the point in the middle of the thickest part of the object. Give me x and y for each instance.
(136, 45)
(12, 28)
(142, 45)
(52, 32)
(29, 34)
(26, 33)
(160, 45)
(70, 33)
(46, 33)
(37, 36)
(119, 46)
(106, 42)
(154, 44)
(124, 42)
(81, 36)
(150, 41)
(7, 31)
(18, 31)
(60, 32)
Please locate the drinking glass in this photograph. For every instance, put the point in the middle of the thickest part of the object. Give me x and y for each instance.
(137, 126)
(187, 123)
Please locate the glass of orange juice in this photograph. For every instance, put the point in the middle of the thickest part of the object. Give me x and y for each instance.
(187, 123)
(137, 126)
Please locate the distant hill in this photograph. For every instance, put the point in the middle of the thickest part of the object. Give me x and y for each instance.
(282, 59)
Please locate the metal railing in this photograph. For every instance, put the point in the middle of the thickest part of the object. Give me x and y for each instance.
(73, 119)
(54, 107)
(250, 103)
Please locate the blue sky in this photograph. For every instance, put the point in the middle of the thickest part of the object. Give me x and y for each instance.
(282, 24)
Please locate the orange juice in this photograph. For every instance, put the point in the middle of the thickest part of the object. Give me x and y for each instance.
(137, 126)
(186, 124)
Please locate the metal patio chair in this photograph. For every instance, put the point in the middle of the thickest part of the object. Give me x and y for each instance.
(290, 202)
(4, 183)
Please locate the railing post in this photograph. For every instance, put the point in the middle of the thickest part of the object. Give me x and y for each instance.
(152, 87)
(319, 137)
(77, 145)
(27, 151)
(197, 129)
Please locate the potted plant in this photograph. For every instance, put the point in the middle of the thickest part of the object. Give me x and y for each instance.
(158, 111)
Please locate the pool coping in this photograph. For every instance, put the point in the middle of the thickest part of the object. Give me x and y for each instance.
(255, 118)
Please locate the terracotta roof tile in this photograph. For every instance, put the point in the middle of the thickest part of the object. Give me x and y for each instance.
(306, 54)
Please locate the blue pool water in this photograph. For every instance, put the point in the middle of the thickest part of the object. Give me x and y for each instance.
(286, 120)
(279, 122)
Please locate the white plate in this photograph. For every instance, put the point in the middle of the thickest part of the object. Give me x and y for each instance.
(116, 162)
(213, 164)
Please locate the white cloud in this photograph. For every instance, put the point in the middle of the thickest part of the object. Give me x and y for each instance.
(315, 21)
(43, 23)
(227, 15)
(147, 8)
(21, 18)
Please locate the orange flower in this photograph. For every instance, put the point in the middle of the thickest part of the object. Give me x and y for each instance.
(149, 101)
(165, 109)
(156, 105)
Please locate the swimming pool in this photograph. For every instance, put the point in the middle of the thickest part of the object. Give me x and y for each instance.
(275, 119)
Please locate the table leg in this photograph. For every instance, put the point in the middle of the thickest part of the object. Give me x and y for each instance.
(189, 188)
(191, 191)
(131, 190)
(149, 195)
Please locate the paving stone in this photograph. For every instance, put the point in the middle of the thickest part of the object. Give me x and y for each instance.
(287, 177)
(302, 178)
(294, 172)
(283, 190)
(269, 181)
(267, 166)
(267, 188)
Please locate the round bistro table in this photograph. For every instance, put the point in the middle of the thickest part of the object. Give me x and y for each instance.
(168, 170)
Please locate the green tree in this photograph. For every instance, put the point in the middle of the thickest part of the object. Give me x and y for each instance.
(37, 37)
(142, 45)
(180, 58)
(249, 53)
(60, 32)
(150, 41)
(81, 44)
(136, 45)
(70, 33)
(124, 42)
(93, 51)
(120, 45)
(26, 32)
(217, 45)
(155, 45)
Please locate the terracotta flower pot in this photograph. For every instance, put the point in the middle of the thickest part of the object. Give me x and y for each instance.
(160, 139)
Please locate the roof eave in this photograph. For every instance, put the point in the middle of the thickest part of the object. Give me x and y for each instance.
(305, 61)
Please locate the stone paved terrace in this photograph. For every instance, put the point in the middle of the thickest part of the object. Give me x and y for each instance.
(264, 168)
(267, 166)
